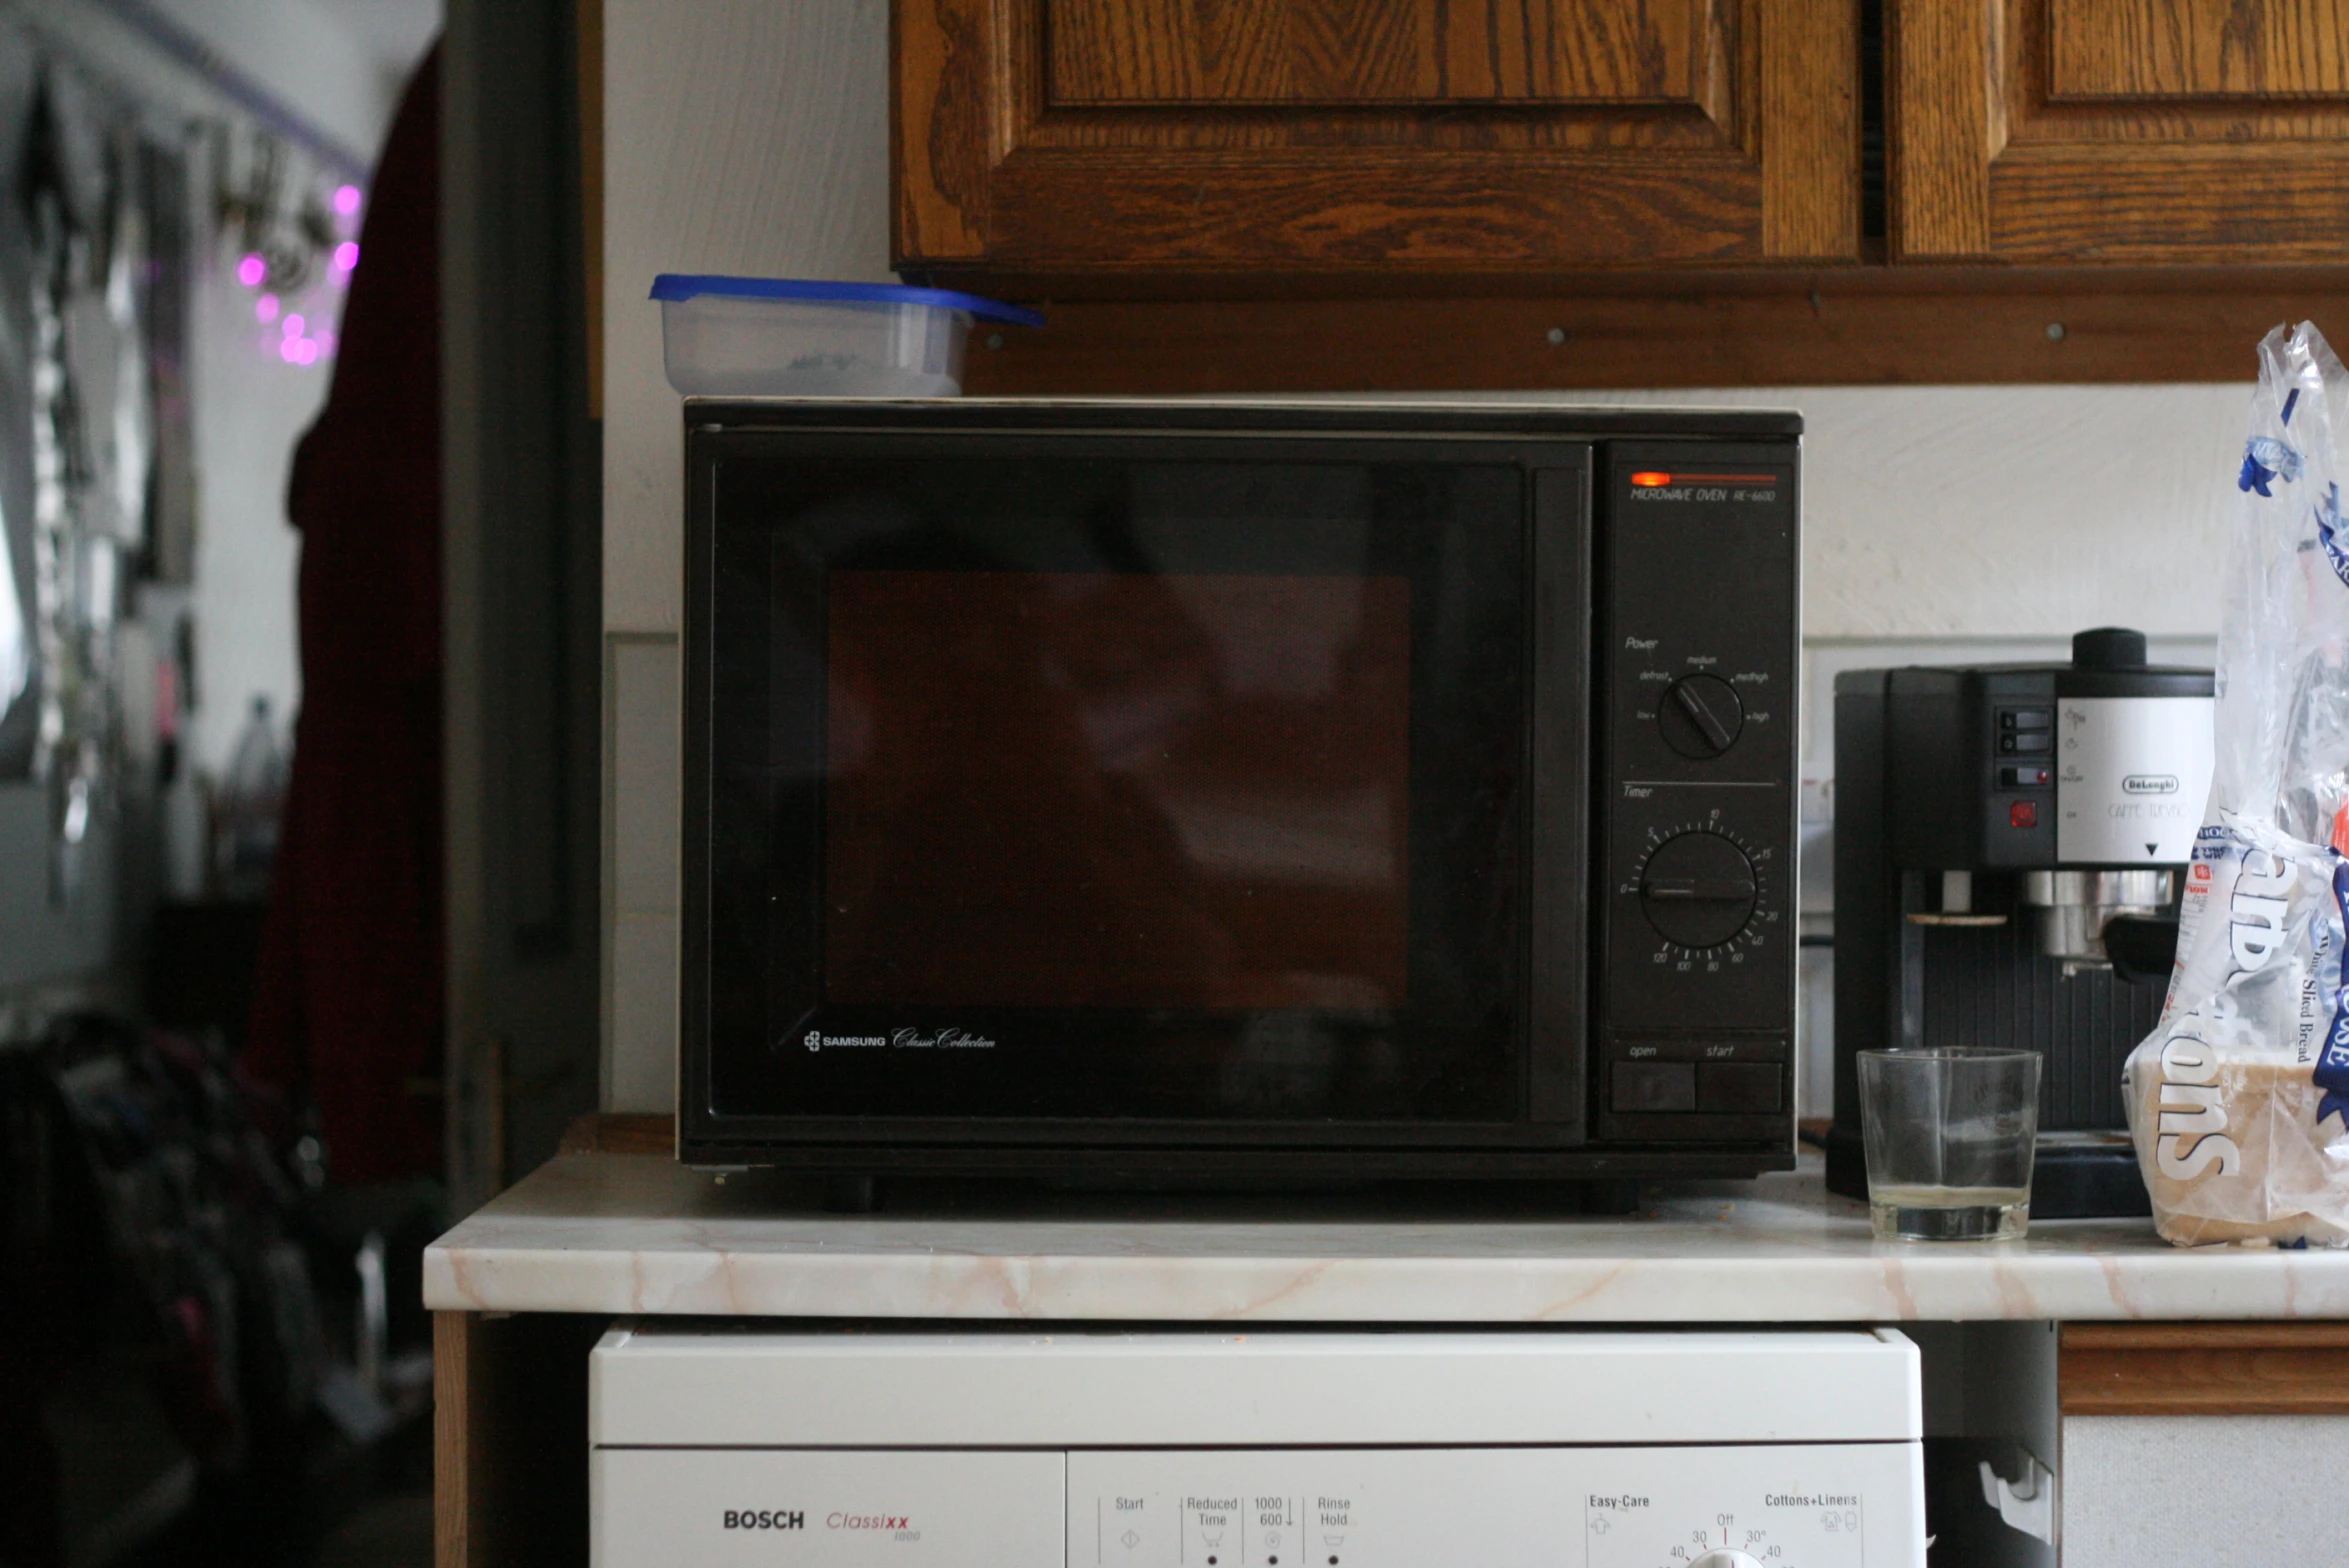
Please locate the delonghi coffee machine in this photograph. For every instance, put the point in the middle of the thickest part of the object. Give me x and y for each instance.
(2009, 842)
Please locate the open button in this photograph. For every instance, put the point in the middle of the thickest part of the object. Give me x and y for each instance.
(1655, 1086)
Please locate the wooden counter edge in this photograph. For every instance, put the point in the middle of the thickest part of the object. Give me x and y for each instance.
(453, 1448)
(510, 1453)
(621, 1132)
(2208, 1369)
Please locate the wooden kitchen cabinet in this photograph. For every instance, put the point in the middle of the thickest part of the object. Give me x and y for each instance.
(1623, 193)
(2135, 131)
(1050, 138)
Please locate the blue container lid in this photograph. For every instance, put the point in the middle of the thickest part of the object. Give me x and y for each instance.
(688, 285)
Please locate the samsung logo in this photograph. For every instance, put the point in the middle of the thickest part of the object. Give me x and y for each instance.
(2150, 784)
(815, 1041)
(765, 1519)
(903, 1039)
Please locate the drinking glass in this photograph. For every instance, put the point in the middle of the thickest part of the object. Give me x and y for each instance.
(1949, 1135)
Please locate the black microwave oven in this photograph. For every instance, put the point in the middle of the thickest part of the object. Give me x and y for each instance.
(1182, 790)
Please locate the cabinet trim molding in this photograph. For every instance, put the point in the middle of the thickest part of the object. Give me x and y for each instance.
(2205, 1369)
(1884, 326)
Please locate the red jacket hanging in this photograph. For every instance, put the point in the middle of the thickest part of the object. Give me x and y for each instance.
(349, 1000)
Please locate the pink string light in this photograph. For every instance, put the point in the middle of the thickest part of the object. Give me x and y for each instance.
(296, 345)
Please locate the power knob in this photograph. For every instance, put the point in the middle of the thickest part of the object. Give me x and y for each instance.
(1724, 1557)
(1698, 889)
(1701, 716)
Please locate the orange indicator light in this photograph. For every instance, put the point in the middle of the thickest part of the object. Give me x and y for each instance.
(1650, 481)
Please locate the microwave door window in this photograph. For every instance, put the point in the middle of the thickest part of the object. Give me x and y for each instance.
(1080, 790)
(1121, 789)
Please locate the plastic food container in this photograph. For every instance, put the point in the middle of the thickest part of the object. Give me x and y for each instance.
(796, 337)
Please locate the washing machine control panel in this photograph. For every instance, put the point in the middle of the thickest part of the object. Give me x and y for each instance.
(1828, 1505)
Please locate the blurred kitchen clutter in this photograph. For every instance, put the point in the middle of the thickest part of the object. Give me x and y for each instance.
(211, 1347)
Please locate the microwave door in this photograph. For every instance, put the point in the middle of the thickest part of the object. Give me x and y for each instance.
(1124, 788)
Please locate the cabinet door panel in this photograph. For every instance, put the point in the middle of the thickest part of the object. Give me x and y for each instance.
(1373, 51)
(2159, 49)
(1487, 216)
(2128, 131)
(1138, 137)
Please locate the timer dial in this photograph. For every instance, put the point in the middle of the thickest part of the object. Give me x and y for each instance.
(1701, 716)
(1698, 889)
(1725, 1558)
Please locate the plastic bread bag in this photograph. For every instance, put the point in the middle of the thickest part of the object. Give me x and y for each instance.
(2239, 1100)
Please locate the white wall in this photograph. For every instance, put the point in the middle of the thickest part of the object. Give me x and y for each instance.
(310, 56)
(752, 136)
(304, 52)
(249, 407)
(740, 136)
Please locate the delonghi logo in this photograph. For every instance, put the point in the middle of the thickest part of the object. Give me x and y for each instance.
(765, 1519)
(2150, 784)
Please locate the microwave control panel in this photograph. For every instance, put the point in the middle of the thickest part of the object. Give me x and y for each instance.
(1829, 1505)
(1696, 681)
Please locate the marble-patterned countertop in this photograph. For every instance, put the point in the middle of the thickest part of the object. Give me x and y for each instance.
(613, 1233)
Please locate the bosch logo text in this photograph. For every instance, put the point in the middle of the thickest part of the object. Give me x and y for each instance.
(765, 1519)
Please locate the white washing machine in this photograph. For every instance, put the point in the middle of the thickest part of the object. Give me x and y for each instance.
(718, 1444)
